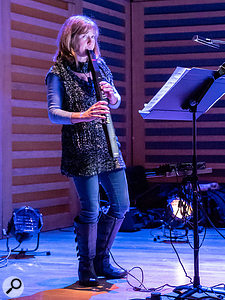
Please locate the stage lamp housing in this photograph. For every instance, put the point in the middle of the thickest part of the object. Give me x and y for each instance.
(180, 209)
(24, 223)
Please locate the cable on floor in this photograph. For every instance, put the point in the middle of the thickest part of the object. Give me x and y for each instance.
(4, 261)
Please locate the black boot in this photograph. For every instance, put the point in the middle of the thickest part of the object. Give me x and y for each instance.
(86, 242)
(107, 229)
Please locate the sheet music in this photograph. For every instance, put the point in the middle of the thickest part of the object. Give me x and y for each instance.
(174, 79)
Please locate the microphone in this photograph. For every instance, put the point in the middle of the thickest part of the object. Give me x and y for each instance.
(213, 44)
(220, 71)
(205, 41)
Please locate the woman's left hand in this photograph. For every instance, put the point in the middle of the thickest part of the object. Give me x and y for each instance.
(109, 92)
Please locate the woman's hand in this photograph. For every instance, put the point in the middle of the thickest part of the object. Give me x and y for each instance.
(96, 111)
(110, 92)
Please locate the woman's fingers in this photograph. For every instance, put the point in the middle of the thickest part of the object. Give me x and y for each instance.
(108, 90)
(100, 103)
(99, 110)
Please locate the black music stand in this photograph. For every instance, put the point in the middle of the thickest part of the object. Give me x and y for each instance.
(185, 96)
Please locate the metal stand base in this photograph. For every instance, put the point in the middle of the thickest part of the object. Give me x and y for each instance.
(23, 253)
(187, 291)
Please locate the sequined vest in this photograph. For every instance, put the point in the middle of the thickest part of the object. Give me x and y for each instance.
(84, 147)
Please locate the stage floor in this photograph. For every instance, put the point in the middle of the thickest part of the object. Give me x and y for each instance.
(55, 276)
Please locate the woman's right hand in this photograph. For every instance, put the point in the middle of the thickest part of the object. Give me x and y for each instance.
(96, 111)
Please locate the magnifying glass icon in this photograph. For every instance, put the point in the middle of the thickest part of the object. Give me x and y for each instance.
(16, 284)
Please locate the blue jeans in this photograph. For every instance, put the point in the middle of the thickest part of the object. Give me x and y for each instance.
(115, 185)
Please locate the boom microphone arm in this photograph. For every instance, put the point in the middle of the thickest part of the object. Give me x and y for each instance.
(207, 42)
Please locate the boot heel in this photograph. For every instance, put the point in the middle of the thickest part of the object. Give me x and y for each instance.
(86, 272)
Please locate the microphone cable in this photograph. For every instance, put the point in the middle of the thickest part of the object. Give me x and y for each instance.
(141, 287)
(4, 260)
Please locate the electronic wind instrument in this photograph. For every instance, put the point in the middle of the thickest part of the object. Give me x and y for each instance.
(107, 123)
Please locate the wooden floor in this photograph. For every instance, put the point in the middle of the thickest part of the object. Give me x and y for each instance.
(55, 276)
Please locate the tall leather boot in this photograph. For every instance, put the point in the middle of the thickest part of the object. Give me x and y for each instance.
(107, 229)
(86, 236)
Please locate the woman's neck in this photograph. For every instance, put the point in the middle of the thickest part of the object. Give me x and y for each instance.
(82, 58)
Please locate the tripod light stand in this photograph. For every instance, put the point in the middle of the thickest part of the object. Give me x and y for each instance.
(25, 223)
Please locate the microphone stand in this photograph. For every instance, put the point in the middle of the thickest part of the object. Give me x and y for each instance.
(196, 287)
(198, 96)
(190, 290)
(208, 42)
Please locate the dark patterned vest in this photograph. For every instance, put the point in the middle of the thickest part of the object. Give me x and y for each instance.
(84, 147)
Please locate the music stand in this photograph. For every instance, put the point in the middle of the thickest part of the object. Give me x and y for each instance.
(185, 96)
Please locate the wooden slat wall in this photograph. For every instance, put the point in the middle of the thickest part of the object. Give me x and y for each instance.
(5, 116)
(162, 39)
(113, 20)
(36, 146)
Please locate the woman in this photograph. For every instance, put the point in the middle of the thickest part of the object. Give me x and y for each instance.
(85, 152)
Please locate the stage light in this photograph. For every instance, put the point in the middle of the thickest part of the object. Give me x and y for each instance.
(24, 223)
(175, 226)
(179, 209)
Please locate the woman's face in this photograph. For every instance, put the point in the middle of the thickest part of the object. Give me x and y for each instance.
(85, 41)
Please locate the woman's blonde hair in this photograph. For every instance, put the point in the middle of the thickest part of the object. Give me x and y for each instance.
(68, 34)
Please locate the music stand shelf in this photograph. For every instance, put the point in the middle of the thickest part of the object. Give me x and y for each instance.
(173, 177)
